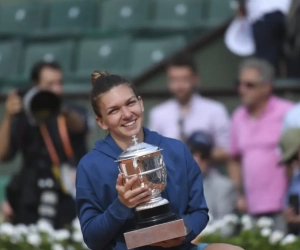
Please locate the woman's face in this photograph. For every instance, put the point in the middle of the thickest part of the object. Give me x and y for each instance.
(121, 111)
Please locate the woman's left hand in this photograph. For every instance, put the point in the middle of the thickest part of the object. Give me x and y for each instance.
(169, 243)
(132, 197)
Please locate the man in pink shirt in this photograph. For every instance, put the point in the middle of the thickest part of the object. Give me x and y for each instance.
(188, 112)
(255, 134)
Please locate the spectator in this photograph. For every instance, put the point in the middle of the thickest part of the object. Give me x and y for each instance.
(290, 148)
(187, 111)
(34, 192)
(268, 25)
(291, 120)
(255, 134)
(218, 189)
(291, 44)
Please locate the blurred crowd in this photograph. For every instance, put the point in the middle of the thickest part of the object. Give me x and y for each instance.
(250, 161)
(256, 144)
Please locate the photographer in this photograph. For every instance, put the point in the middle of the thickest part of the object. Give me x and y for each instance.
(50, 150)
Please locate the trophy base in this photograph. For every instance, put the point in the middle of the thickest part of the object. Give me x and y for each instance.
(154, 216)
(158, 233)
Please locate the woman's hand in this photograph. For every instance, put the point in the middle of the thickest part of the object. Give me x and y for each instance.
(132, 198)
(13, 103)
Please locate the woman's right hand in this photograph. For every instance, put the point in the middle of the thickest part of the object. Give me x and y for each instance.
(13, 103)
(131, 198)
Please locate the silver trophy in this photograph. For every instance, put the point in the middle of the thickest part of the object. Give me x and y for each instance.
(146, 162)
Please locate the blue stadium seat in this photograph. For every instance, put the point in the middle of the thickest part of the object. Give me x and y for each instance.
(68, 19)
(125, 14)
(21, 18)
(71, 15)
(61, 51)
(148, 52)
(111, 54)
(10, 57)
(178, 14)
(217, 12)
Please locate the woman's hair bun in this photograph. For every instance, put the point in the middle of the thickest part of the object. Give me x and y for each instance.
(97, 74)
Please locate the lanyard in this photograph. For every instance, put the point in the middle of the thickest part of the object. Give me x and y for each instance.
(62, 128)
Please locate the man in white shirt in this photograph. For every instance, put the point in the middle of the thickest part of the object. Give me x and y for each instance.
(188, 112)
(268, 25)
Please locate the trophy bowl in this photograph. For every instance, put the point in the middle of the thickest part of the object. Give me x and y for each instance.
(146, 162)
(154, 220)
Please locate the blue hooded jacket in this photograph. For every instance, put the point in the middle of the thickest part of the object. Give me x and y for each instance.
(104, 219)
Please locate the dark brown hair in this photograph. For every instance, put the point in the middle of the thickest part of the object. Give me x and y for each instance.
(102, 82)
(183, 60)
(37, 68)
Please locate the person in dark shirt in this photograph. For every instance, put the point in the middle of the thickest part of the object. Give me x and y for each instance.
(218, 189)
(30, 191)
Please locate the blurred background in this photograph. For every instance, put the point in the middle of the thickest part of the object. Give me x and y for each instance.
(138, 39)
(131, 38)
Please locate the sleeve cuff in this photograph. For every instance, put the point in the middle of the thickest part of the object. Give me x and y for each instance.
(190, 235)
(119, 211)
(188, 222)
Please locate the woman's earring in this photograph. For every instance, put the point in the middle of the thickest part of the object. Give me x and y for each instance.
(142, 109)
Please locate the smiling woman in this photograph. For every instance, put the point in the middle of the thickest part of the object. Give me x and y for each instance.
(118, 107)
(106, 206)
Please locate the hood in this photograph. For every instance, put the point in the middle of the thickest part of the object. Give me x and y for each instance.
(109, 147)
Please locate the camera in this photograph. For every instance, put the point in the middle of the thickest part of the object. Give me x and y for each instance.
(39, 105)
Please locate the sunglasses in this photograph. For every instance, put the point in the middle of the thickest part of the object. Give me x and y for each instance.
(248, 85)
